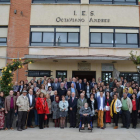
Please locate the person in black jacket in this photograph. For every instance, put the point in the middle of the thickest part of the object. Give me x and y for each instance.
(2, 116)
(72, 110)
(31, 99)
(92, 102)
(61, 90)
(80, 87)
(21, 86)
(88, 90)
(135, 109)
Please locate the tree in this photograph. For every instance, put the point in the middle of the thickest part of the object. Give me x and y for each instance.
(8, 73)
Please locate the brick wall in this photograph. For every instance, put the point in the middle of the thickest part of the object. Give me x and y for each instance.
(19, 32)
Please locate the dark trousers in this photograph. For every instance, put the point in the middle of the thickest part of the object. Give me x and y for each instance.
(46, 122)
(126, 118)
(116, 118)
(134, 118)
(30, 117)
(41, 120)
(72, 117)
(9, 118)
(22, 115)
(86, 119)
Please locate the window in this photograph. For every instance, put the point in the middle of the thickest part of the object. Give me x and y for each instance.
(131, 76)
(3, 41)
(121, 2)
(106, 77)
(61, 74)
(39, 73)
(114, 37)
(4, 1)
(55, 36)
(56, 1)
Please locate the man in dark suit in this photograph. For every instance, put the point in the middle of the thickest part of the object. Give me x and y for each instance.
(31, 99)
(80, 87)
(93, 82)
(61, 90)
(53, 96)
(72, 110)
(69, 83)
(55, 85)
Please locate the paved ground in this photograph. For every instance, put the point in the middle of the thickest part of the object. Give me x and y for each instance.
(72, 133)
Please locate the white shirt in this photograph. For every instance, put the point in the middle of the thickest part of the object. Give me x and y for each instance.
(24, 97)
(49, 84)
(101, 104)
(30, 96)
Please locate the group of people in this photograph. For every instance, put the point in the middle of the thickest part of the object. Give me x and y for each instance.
(76, 101)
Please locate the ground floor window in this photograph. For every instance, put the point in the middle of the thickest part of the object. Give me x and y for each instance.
(39, 73)
(131, 77)
(61, 74)
(106, 76)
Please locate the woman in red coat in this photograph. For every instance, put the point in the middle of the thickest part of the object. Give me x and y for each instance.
(42, 109)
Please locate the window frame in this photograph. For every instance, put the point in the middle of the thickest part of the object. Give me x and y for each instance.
(101, 37)
(55, 43)
(114, 33)
(114, 2)
(7, 1)
(61, 71)
(128, 78)
(57, 1)
(3, 37)
(106, 76)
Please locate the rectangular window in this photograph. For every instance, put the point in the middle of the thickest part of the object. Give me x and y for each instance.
(56, 1)
(120, 2)
(61, 74)
(3, 41)
(106, 77)
(131, 77)
(39, 73)
(55, 36)
(114, 37)
(4, 1)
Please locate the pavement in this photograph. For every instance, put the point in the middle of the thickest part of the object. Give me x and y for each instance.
(72, 134)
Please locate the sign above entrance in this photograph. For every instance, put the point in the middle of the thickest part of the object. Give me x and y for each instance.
(107, 67)
(82, 19)
(84, 66)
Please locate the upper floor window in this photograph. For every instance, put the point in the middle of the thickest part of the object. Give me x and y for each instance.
(115, 37)
(56, 1)
(121, 2)
(4, 1)
(3, 36)
(55, 36)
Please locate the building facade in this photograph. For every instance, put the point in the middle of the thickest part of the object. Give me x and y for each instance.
(66, 38)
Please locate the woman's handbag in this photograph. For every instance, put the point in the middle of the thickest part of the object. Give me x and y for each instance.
(45, 118)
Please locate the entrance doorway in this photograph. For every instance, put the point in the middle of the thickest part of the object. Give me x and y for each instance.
(84, 74)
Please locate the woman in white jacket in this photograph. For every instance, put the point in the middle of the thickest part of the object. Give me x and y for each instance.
(63, 105)
(115, 108)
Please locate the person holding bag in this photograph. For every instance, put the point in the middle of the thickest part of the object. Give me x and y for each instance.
(115, 108)
(42, 109)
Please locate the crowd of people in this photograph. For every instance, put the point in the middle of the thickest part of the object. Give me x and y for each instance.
(75, 101)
